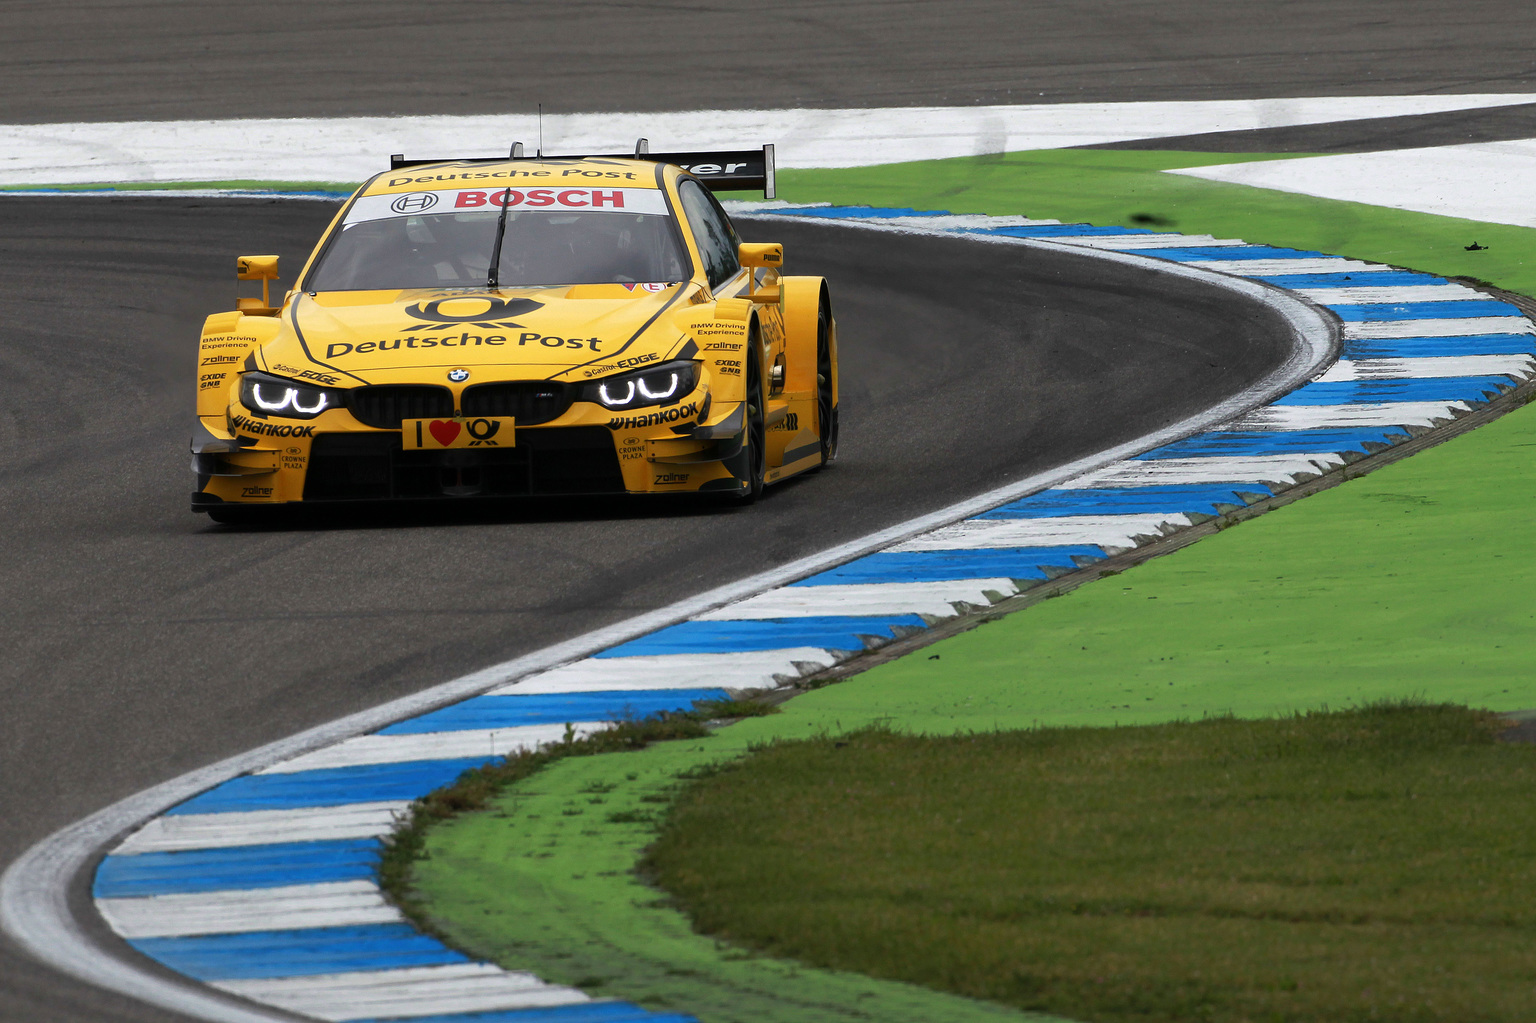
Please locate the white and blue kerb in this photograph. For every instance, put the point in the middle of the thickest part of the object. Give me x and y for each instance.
(264, 886)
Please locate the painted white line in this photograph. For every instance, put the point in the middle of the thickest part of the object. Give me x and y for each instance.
(956, 221)
(35, 910)
(184, 832)
(1436, 366)
(1379, 330)
(1366, 295)
(752, 670)
(1208, 469)
(934, 599)
(401, 994)
(1487, 181)
(1343, 417)
(399, 749)
(1280, 266)
(353, 148)
(1131, 242)
(1120, 531)
(295, 907)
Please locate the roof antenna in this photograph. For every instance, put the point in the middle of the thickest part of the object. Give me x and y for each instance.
(541, 131)
(642, 147)
(517, 151)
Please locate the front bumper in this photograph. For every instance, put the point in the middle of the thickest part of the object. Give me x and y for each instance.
(584, 453)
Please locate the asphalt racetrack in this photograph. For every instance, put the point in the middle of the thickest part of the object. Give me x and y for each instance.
(142, 641)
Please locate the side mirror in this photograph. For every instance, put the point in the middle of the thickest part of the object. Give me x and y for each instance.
(755, 254)
(256, 268)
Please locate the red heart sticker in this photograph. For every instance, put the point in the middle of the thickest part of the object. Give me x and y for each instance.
(444, 430)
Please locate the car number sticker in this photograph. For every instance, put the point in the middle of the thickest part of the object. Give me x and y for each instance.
(477, 432)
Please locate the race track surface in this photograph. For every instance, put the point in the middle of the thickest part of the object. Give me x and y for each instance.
(125, 60)
(143, 641)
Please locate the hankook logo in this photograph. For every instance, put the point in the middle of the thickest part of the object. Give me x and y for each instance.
(478, 311)
(416, 202)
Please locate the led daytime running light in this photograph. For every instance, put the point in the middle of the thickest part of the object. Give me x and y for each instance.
(654, 395)
(610, 400)
(290, 399)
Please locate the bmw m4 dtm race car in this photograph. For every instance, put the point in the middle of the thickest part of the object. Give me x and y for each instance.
(521, 326)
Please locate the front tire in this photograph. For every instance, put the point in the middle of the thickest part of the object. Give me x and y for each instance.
(750, 465)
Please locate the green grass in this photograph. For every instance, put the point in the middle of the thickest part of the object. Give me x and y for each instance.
(1415, 581)
(1369, 864)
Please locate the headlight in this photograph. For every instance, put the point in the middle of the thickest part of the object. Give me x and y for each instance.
(268, 395)
(659, 385)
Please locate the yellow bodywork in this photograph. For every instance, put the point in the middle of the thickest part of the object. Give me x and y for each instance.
(359, 344)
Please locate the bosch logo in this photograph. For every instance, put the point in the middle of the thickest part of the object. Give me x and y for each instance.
(458, 376)
(416, 202)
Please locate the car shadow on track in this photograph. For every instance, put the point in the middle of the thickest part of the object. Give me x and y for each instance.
(489, 511)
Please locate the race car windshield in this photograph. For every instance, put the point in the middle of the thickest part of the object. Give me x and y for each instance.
(541, 248)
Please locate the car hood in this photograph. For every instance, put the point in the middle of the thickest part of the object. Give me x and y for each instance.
(515, 333)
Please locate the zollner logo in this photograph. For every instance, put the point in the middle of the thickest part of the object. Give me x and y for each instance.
(416, 202)
(445, 313)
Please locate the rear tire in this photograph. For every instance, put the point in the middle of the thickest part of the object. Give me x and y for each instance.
(826, 411)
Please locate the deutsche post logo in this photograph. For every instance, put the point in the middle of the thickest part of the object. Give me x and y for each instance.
(416, 202)
(475, 311)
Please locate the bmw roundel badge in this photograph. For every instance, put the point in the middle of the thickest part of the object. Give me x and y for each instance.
(458, 376)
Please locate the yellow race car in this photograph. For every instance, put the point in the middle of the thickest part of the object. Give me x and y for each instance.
(521, 326)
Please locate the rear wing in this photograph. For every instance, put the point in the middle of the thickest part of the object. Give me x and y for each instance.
(736, 170)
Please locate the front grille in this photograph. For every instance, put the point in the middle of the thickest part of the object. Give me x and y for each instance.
(530, 402)
(552, 461)
(383, 406)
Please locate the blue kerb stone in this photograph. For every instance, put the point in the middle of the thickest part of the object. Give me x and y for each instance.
(1165, 499)
(253, 866)
(828, 633)
(1371, 392)
(1206, 253)
(1433, 347)
(332, 786)
(299, 953)
(1277, 442)
(936, 566)
(552, 708)
(581, 1012)
(1459, 309)
(1386, 277)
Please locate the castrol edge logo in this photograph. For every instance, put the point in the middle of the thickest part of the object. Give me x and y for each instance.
(530, 196)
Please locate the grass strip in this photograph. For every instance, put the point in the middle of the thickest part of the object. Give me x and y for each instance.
(1366, 864)
(475, 789)
(543, 879)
